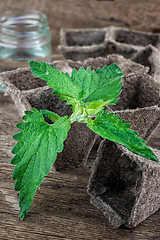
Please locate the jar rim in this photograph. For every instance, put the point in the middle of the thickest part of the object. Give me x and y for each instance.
(30, 18)
(17, 26)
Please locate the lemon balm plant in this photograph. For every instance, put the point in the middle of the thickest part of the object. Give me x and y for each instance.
(39, 142)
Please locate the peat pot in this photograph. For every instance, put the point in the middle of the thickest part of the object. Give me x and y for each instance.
(124, 186)
(150, 57)
(128, 42)
(139, 46)
(80, 44)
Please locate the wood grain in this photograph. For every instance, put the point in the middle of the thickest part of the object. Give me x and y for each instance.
(61, 208)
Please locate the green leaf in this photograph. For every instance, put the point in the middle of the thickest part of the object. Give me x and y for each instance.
(35, 152)
(104, 84)
(84, 85)
(59, 81)
(107, 87)
(109, 126)
(86, 80)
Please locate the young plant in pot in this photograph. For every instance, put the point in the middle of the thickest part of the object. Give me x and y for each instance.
(89, 92)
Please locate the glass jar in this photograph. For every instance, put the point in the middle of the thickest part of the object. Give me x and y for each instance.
(24, 36)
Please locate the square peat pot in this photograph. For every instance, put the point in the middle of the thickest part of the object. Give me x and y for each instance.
(150, 57)
(127, 42)
(124, 186)
(80, 44)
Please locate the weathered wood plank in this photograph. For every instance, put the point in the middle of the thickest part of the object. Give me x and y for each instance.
(6, 144)
(61, 208)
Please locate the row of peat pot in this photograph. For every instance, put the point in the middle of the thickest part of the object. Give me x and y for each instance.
(123, 185)
(141, 47)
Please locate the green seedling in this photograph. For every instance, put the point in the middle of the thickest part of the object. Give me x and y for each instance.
(39, 142)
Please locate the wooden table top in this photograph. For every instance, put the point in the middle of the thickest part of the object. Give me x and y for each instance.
(61, 208)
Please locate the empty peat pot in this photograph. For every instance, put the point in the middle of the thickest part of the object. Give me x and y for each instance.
(150, 57)
(124, 185)
(80, 44)
(127, 42)
(133, 37)
(141, 47)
